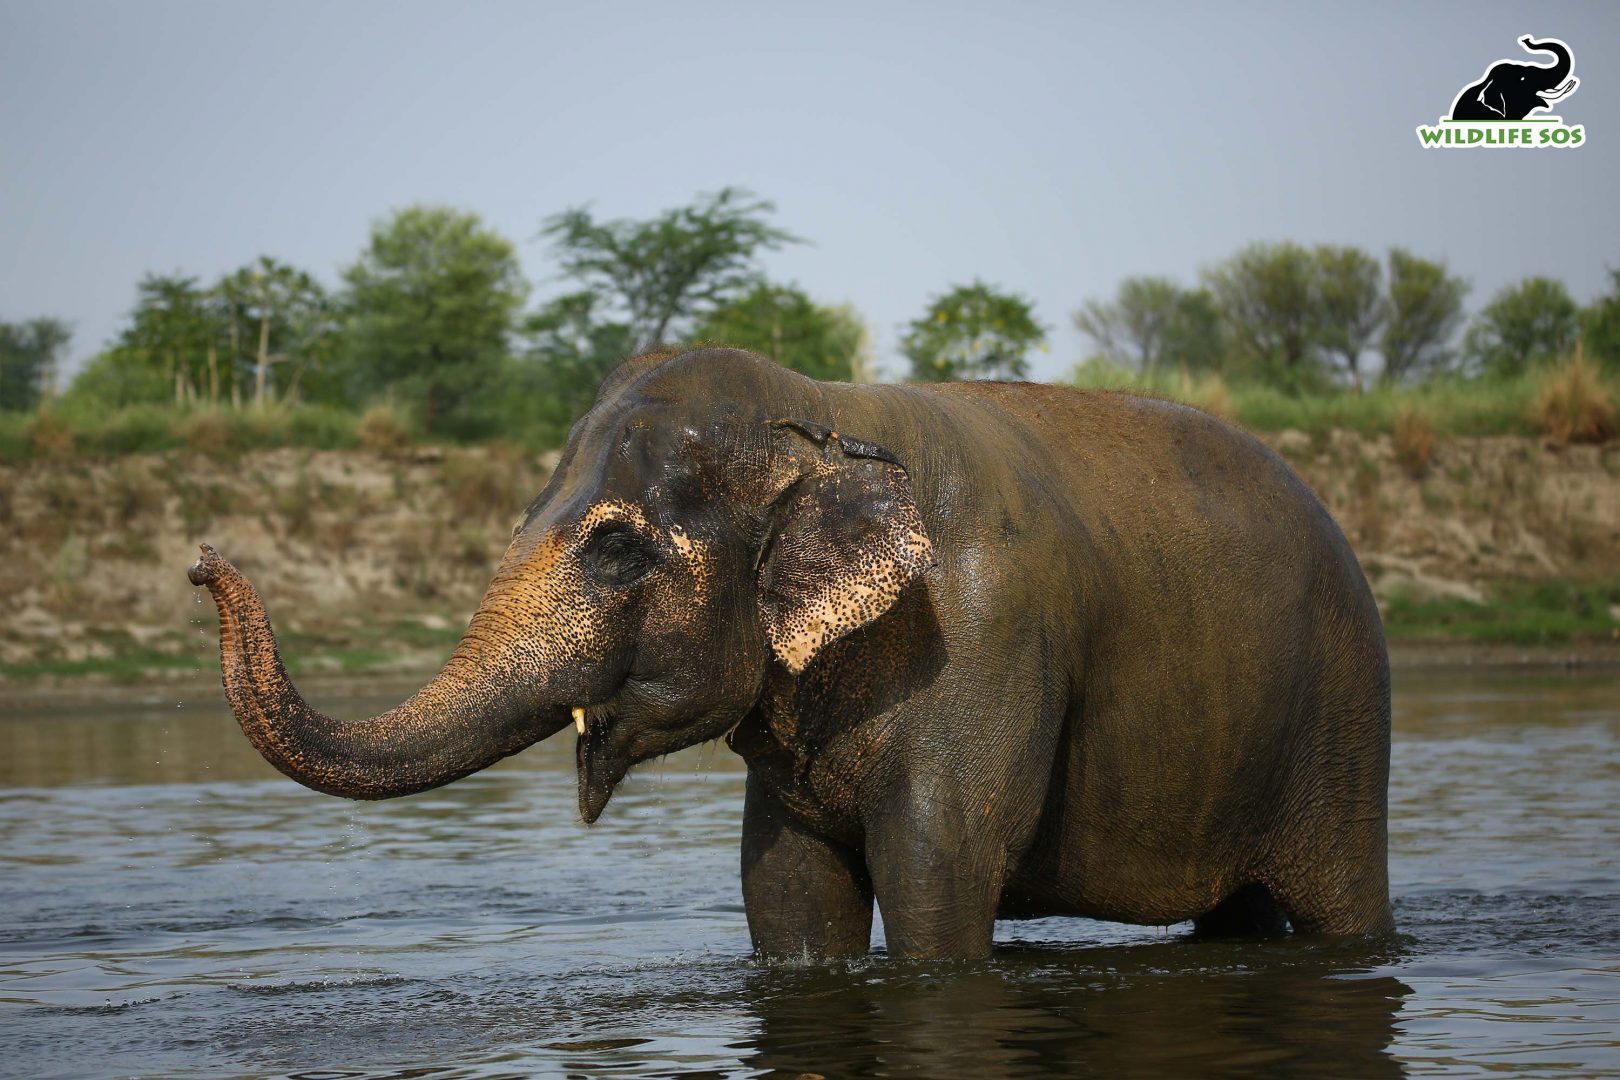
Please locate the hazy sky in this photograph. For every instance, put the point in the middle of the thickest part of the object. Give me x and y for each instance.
(1051, 149)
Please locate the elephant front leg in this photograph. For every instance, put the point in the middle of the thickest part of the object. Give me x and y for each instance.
(938, 878)
(805, 895)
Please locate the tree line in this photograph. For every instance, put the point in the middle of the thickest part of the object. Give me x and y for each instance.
(1308, 317)
(433, 317)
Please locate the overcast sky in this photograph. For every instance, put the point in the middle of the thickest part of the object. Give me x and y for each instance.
(1050, 149)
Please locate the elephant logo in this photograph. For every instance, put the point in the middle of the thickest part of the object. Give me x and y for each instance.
(1510, 104)
(1511, 90)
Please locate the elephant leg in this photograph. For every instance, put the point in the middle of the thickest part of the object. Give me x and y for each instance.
(805, 895)
(947, 828)
(1249, 912)
(1332, 877)
(1336, 897)
(938, 879)
(1329, 867)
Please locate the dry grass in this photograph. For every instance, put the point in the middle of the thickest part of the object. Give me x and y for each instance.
(206, 431)
(1209, 393)
(1367, 513)
(51, 438)
(1414, 442)
(1573, 404)
(65, 577)
(492, 484)
(383, 429)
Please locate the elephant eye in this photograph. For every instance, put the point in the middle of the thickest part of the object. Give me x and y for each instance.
(617, 557)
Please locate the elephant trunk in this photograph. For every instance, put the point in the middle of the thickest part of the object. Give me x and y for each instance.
(1556, 74)
(467, 718)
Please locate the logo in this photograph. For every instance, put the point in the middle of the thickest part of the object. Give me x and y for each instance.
(1507, 106)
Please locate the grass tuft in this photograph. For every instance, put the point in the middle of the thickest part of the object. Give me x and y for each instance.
(384, 429)
(1414, 442)
(1573, 404)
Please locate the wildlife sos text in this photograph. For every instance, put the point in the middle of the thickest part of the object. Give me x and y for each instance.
(1453, 133)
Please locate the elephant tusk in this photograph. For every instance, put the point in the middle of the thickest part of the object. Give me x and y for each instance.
(579, 719)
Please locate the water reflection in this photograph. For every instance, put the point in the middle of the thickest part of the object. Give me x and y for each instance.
(175, 906)
(1144, 1010)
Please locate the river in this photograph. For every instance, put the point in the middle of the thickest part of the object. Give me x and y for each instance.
(174, 907)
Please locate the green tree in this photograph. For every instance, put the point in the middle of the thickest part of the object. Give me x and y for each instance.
(1153, 323)
(1423, 312)
(431, 306)
(655, 276)
(289, 318)
(1523, 324)
(781, 322)
(572, 348)
(1267, 298)
(973, 332)
(1350, 304)
(168, 335)
(28, 354)
(1600, 326)
(114, 379)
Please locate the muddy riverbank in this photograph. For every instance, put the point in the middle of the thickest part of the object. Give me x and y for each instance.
(371, 561)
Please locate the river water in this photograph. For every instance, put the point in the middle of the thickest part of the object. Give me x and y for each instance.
(171, 906)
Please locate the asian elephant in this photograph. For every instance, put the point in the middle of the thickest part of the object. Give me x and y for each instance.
(1512, 91)
(988, 650)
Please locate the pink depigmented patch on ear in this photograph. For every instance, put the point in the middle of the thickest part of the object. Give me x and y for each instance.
(852, 543)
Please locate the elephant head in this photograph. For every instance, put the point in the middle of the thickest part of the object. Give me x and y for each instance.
(1512, 91)
(687, 540)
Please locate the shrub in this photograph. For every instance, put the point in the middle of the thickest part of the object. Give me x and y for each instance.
(65, 578)
(1573, 404)
(50, 437)
(207, 431)
(383, 428)
(16, 435)
(1414, 442)
(323, 427)
(129, 431)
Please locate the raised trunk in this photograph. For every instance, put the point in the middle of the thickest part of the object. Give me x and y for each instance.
(1560, 70)
(469, 717)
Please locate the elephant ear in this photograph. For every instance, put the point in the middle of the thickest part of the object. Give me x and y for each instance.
(1494, 99)
(847, 540)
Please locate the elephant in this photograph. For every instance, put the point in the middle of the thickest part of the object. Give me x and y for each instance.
(988, 650)
(1512, 91)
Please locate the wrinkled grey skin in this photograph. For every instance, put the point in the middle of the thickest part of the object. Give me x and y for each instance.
(989, 649)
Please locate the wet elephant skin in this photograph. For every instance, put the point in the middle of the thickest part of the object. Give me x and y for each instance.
(988, 649)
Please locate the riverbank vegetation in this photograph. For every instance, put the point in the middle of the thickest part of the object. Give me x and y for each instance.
(1511, 612)
(374, 558)
(381, 428)
(430, 335)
